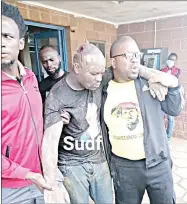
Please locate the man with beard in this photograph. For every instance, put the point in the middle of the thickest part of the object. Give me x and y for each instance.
(51, 61)
(22, 120)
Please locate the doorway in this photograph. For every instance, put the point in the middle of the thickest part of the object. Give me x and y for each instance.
(38, 36)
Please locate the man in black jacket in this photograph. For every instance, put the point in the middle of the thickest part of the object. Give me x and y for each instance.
(51, 61)
(133, 128)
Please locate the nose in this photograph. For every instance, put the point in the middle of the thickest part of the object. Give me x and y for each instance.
(3, 42)
(135, 60)
(99, 77)
(49, 64)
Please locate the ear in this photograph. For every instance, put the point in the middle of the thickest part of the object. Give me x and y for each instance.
(21, 43)
(113, 63)
(76, 68)
(59, 58)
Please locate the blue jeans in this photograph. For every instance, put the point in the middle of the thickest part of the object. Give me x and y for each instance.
(170, 127)
(26, 195)
(86, 180)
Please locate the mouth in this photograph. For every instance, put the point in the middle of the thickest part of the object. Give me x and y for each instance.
(51, 70)
(134, 71)
(97, 85)
(4, 55)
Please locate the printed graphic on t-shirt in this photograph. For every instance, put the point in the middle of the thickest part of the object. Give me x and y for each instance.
(128, 114)
(92, 118)
(124, 120)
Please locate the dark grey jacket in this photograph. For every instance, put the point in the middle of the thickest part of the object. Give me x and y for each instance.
(155, 138)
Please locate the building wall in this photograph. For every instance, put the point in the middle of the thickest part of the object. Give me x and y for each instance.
(83, 28)
(171, 33)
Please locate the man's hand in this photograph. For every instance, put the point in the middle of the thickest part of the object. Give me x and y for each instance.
(158, 90)
(38, 180)
(55, 196)
(65, 117)
(154, 76)
(165, 79)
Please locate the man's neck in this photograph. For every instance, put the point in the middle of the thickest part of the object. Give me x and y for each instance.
(73, 83)
(58, 75)
(118, 79)
(13, 70)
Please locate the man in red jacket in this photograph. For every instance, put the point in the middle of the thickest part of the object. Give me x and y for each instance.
(173, 70)
(22, 121)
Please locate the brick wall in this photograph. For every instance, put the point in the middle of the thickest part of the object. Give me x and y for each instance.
(171, 33)
(84, 28)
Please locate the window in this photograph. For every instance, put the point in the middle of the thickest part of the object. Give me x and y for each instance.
(100, 45)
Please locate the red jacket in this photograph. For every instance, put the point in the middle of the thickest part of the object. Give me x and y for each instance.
(174, 71)
(21, 119)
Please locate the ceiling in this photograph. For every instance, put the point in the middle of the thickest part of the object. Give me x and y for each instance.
(115, 13)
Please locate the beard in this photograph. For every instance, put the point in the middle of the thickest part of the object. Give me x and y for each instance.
(56, 72)
(7, 64)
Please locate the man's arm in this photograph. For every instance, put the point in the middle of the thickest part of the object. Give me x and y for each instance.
(172, 105)
(12, 170)
(53, 128)
(50, 152)
(173, 102)
(154, 76)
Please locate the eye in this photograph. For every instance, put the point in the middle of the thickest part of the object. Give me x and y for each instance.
(129, 56)
(8, 36)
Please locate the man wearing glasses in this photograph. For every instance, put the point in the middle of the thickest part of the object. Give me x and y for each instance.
(138, 154)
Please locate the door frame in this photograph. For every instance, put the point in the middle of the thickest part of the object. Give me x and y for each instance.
(63, 37)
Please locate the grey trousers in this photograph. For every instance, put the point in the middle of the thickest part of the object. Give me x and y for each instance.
(131, 179)
(27, 195)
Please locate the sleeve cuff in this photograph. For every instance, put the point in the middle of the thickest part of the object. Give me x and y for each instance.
(174, 91)
(20, 172)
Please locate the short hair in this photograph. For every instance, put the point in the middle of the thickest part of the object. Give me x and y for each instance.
(173, 54)
(47, 46)
(13, 12)
(116, 43)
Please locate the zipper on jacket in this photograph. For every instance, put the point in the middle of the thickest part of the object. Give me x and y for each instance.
(103, 126)
(141, 97)
(37, 137)
(7, 153)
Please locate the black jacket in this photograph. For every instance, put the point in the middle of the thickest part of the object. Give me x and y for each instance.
(155, 138)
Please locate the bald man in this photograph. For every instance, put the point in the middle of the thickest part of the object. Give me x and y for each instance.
(133, 127)
(77, 146)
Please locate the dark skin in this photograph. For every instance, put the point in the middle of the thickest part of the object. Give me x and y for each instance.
(11, 45)
(124, 69)
(88, 69)
(126, 66)
(50, 60)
